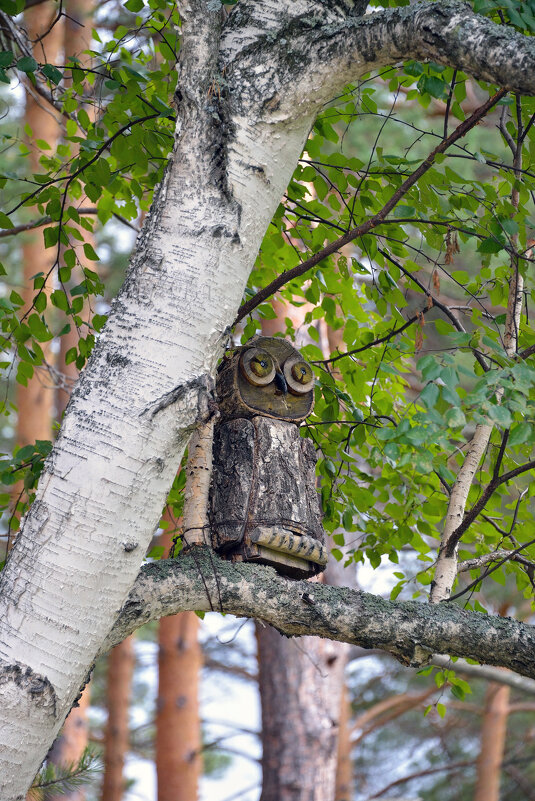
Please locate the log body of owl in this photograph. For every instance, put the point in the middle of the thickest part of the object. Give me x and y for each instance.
(264, 505)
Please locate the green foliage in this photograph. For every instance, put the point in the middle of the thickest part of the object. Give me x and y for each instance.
(65, 779)
(119, 125)
(415, 307)
(394, 414)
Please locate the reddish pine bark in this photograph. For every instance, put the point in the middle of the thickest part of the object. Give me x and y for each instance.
(344, 767)
(35, 402)
(70, 745)
(120, 671)
(493, 731)
(178, 728)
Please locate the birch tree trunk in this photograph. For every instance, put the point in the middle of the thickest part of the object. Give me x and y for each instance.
(246, 100)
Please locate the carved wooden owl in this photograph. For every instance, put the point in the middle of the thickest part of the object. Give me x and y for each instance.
(264, 506)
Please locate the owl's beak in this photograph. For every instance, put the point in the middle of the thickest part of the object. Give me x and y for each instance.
(280, 383)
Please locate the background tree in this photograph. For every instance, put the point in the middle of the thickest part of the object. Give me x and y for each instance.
(236, 145)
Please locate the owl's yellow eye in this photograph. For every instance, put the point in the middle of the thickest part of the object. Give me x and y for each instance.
(261, 365)
(257, 366)
(302, 372)
(298, 375)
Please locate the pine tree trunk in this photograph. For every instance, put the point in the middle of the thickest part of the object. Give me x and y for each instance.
(178, 727)
(493, 731)
(70, 745)
(344, 766)
(120, 671)
(35, 402)
(300, 683)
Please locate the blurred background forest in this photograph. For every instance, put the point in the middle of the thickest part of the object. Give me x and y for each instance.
(186, 708)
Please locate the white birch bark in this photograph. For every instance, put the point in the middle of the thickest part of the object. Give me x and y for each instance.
(148, 383)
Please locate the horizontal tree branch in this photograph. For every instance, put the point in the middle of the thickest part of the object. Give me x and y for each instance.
(409, 630)
(485, 672)
(495, 556)
(83, 212)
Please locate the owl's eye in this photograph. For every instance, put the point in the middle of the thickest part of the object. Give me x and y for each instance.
(257, 367)
(298, 375)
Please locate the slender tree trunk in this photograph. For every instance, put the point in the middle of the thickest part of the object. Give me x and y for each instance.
(344, 767)
(35, 402)
(493, 731)
(120, 672)
(70, 745)
(178, 727)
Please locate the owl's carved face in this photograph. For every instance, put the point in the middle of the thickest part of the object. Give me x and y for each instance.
(261, 368)
(271, 378)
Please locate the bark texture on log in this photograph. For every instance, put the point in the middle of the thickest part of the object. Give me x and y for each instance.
(264, 482)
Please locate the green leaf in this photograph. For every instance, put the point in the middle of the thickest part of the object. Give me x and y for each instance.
(38, 329)
(59, 300)
(98, 321)
(490, 246)
(455, 418)
(5, 222)
(519, 433)
(71, 355)
(429, 395)
(134, 5)
(90, 252)
(404, 211)
(51, 236)
(40, 302)
(27, 64)
(500, 415)
(52, 73)
(6, 58)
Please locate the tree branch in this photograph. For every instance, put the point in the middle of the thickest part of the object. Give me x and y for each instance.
(201, 580)
(373, 222)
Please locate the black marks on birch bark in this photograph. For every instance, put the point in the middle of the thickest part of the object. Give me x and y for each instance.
(36, 687)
